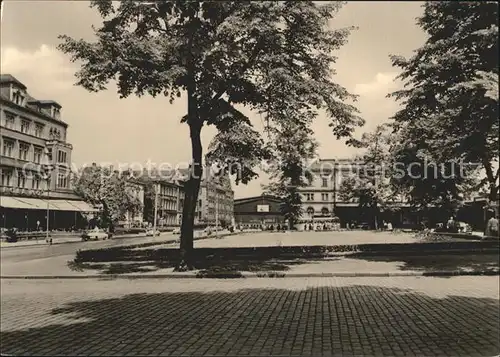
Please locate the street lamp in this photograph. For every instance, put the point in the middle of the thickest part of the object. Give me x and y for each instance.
(47, 167)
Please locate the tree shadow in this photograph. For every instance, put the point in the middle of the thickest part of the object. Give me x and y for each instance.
(124, 260)
(206, 267)
(322, 321)
(486, 263)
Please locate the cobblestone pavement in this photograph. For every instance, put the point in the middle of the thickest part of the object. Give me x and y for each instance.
(407, 316)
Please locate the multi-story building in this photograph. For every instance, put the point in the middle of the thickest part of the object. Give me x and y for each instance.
(35, 162)
(322, 198)
(216, 200)
(166, 188)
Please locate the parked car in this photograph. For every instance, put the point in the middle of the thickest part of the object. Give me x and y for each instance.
(363, 225)
(176, 231)
(461, 227)
(464, 228)
(151, 233)
(95, 234)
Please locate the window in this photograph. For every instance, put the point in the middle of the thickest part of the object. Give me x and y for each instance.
(8, 147)
(6, 177)
(62, 181)
(324, 197)
(35, 183)
(25, 126)
(56, 113)
(39, 130)
(24, 149)
(309, 196)
(21, 179)
(10, 120)
(61, 156)
(37, 158)
(324, 182)
(18, 98)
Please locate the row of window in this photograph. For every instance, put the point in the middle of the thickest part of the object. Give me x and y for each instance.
(8, 149)
(31, 128)
(8, 180)
(311, 196)
(20, 99)
(22, 181)
(168, 191)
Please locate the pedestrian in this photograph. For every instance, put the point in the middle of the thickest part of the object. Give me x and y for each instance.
(389, 226)
(450, 225)
(492, 226)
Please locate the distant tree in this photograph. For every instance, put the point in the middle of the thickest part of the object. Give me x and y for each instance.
(264, 55)
(292, 146)
(450, 99)
(101, 186)
(370, 184)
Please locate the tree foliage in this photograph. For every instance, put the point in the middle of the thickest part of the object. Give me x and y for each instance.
(450, 98)
(370, 181)
(111, 190)
(271, 56)
(292, 146)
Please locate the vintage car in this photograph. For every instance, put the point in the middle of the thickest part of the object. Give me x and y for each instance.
(152, 233)
(95, 234)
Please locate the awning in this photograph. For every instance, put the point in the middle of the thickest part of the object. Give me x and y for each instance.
(31, 203)
(36, 203)
(82, 206)
(13, 202)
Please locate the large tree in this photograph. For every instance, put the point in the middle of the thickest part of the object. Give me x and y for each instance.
(450, 98)
(266, 55)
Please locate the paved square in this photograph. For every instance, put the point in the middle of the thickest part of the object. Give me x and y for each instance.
(305, 317)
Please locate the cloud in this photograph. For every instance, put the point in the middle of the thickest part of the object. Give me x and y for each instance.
(45, 65)
(382, 83)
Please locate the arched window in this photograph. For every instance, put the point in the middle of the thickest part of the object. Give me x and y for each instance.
(310, 211)
(324, 211)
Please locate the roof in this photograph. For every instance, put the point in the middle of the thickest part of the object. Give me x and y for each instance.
(257, 198)
(9, 78)
(44, 102)
(33, 111)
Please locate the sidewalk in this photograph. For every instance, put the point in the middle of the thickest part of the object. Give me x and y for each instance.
(327, 317)
(62, 267)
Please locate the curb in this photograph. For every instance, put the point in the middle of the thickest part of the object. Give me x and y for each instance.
(45, 244)
(258, 275)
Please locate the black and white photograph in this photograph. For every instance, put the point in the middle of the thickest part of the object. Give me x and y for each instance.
(249, 178)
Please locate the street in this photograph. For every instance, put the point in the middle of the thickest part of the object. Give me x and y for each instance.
(405, 316)
(42, 251)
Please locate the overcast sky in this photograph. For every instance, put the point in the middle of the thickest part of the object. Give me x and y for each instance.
(103, 128)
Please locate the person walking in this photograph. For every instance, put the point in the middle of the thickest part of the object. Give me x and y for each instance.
(492, 226)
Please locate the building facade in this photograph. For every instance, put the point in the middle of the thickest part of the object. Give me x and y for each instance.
(322, 197)
(35, 162)
(258, 211)
(215, 200)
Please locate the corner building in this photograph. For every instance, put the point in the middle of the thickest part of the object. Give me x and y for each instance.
(33, 138)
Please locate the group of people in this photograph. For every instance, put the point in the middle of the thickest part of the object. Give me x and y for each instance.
(321, 227)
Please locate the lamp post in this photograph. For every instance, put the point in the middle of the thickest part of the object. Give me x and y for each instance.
(216, 212)
(48, 172)
(156, 209)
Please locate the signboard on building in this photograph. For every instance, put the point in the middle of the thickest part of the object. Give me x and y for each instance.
(262, 208)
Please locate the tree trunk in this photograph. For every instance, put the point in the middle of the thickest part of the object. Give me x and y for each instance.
(492, 178)
(191, 191)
